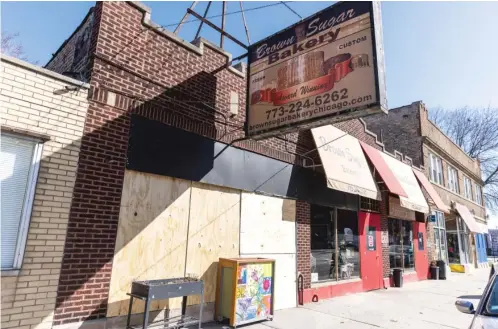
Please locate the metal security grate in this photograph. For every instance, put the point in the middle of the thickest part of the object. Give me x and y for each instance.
(369, 205)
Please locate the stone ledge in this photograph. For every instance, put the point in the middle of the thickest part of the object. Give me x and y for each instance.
(45, 72)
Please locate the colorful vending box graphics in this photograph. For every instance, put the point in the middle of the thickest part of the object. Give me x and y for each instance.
(246, 296)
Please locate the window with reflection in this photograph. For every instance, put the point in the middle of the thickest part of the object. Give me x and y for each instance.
(334, 244)
(401, 244)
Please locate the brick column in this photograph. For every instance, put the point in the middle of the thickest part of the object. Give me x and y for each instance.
(93, 220)
(431, 242)
(384, 211)
(303, 234)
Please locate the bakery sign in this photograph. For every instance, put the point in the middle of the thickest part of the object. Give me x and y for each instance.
(325, 69)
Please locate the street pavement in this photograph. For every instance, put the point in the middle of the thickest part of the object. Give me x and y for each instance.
(425, 304)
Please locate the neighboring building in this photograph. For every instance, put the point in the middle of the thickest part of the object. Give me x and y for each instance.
(460, 232)
(166, 184)
(493, 242)
(42, 119)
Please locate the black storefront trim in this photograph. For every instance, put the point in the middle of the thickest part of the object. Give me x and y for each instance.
(157, 148)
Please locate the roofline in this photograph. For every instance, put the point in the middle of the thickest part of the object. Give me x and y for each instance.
(43, 71)
(70, 37)
(422, 106)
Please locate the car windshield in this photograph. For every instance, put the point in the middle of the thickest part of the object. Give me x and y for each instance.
(492, 304)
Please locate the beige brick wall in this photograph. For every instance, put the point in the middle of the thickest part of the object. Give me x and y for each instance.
(29, 105)
(437, 137)
(446, 195)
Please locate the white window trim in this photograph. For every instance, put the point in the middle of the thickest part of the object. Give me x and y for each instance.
(28, 202)
(478, 194)
(436, 164)
(453, 179)
(467, 188)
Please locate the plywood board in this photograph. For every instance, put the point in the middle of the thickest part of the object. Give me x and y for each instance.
(213, 232)
(267, 225)
(285, 279)
(151, 238)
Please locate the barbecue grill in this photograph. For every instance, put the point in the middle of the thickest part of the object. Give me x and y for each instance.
(164, 289)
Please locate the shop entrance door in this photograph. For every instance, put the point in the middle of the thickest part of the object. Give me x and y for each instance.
(421, 260)
(371, 251)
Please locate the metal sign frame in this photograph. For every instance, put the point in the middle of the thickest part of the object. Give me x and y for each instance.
(379, 106)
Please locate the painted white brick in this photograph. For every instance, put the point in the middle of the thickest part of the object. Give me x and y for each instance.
(10, 93)
(13, 71)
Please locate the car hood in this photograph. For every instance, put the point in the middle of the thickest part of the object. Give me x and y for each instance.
(484, 322)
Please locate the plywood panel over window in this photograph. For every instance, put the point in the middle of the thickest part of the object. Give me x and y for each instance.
(213, 232)
(264, 229)
(151, 238)
(268, 230)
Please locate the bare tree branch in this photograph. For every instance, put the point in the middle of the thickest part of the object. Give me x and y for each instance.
(476, 131)
(12, 47)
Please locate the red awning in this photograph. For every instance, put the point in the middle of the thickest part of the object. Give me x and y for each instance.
(383, 169)
(431, 191)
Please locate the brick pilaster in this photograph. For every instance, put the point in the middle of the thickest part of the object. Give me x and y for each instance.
(303, 233)
(384, 211)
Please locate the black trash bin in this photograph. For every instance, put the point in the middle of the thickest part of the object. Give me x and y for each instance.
(442, 269)
(435, 273)
(398, 277)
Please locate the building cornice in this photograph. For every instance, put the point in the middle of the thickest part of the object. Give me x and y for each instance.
(454, 162)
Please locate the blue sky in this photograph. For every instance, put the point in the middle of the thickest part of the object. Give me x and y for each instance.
(443, 53)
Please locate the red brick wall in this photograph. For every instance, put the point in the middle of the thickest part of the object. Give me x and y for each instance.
(400, 131)
(384, 210)
(135, 69)
(93, 220)
(303, 232)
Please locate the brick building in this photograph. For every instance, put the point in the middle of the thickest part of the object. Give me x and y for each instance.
(166, 182)
(42, 125)
(460, 233)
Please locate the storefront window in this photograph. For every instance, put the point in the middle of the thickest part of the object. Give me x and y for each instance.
(464, 241)
(440, 235)
(453, 248)
(330, 228)
(401, 244)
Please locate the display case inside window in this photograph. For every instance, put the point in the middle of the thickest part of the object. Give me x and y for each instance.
(334, 244)
(453, 248)
(401, 244)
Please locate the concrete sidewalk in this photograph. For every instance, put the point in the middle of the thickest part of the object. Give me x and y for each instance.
(425, 304)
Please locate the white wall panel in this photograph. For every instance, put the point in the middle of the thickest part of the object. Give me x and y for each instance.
(267, 225)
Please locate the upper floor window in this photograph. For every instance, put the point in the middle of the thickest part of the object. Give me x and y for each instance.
(453, 179)
(436, 169)
(467, 185)
(478, 194)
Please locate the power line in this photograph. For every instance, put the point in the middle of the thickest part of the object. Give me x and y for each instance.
(288, 7)
(230, 13)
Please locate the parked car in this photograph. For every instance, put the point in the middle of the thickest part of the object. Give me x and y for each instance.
(486, 314)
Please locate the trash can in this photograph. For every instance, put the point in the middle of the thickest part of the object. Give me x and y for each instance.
(442, 269)
(398, 277)
(435, 273)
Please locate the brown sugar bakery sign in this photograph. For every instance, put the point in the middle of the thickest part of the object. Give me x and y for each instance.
(324, 69)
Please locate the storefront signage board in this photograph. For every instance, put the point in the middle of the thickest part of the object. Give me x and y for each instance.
(327, 68)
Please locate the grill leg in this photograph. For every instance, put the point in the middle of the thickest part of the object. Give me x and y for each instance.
(146, 314)
(129, 312)
(200, 308)
(184, 305)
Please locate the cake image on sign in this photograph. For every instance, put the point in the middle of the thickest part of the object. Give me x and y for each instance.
(307, 75)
